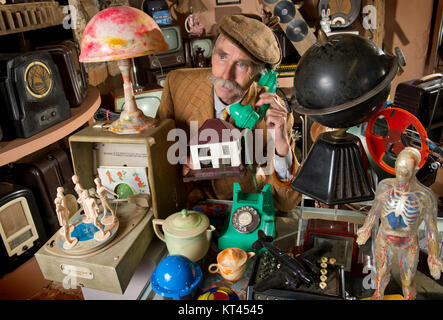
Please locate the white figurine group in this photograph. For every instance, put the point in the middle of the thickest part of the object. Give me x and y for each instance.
(90, 208)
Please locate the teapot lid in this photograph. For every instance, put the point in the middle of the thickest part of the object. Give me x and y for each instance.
(186, 223)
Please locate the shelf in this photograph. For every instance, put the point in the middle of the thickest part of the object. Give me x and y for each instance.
(22, 17)
(13, 150)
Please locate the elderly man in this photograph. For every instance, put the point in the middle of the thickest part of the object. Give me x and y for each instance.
(402, 204)
(244, 49)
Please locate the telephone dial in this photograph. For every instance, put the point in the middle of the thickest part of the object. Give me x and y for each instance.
(250, 213)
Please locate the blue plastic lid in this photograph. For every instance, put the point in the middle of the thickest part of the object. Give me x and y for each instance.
(176, 276)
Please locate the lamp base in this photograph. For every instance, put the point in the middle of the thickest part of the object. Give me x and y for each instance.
(132, 123)
(336, 170)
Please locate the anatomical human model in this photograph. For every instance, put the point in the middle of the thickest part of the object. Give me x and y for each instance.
(402, 204)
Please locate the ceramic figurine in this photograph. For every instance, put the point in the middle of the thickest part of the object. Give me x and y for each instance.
(102, 194)
(92, 211)
(402, 204)
(77, 186)
(79, 189)
(61, 198)
(325, 21)
(63, 219)
(88, 218)
(193, 25)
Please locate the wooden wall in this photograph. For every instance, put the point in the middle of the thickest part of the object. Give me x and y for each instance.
(407, 24)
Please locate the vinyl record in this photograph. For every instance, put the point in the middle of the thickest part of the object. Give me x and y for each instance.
(297, 30)
(270, 1)
(285, 10)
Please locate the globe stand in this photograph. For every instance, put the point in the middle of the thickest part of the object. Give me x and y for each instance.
(338, 160)
(341, 81)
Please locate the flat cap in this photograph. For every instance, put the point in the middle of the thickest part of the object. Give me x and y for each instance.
(255, 38)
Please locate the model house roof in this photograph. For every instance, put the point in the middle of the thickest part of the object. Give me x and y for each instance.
(218, 125)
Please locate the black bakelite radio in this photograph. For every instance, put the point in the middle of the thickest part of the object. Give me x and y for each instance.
(31, 94)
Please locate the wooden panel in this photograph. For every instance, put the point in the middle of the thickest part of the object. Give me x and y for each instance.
(432, 57)
(378, 33)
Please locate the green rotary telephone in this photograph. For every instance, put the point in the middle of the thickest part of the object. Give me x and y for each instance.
(250, 213)
(246, 116)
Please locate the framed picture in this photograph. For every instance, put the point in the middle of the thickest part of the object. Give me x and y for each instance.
(222, 2)
(125, 181)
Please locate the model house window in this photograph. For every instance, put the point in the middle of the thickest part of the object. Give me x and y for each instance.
(226, 150)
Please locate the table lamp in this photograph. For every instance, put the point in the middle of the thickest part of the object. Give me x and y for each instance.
(122, 33)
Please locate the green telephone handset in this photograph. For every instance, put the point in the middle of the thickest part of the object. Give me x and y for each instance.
(246, 116)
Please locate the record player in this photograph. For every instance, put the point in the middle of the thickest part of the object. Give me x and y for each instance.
(32, 93)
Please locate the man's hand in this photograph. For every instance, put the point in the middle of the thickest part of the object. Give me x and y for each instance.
(435, 266)
(275, 119)
(188, 166)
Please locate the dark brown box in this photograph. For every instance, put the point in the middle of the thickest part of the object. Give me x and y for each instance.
(43, 175)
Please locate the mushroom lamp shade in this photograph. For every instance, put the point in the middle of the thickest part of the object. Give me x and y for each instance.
(121, 33)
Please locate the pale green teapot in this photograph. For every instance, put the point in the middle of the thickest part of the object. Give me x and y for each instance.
(187, 233)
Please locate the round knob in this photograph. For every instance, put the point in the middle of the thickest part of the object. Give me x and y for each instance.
(180, 59)
(25, 248)
(43, 118)
(184, 213)
(53, 114)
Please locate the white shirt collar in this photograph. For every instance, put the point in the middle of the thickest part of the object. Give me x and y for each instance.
(220, 105)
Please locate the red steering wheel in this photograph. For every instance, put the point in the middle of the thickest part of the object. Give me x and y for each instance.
(398, 120)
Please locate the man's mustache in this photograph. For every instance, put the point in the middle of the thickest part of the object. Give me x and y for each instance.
(228, 84)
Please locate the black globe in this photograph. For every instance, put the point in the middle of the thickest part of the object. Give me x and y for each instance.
(343, 80)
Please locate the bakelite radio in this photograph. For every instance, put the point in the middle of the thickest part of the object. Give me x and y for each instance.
(65, 55)
(21, 228)
(32, 94)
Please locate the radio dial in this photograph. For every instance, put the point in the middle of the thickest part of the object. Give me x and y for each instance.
(43, 118)
(53, 114)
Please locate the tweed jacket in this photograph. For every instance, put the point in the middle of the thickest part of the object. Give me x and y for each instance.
(187, 96)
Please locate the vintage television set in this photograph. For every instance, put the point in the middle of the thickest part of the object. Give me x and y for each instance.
(21, 227)
(148, 100)
(205, 43)
(174, 56)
